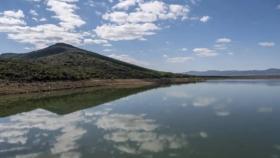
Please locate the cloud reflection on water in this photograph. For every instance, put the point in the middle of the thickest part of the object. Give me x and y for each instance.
(140, 132)
(43, 132)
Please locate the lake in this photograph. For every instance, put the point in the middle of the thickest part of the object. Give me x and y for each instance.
(214, 119)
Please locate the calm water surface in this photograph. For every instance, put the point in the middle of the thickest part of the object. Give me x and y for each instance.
(215, 119)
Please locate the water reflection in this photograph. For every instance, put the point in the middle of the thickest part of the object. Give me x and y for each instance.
(141, 132)
(42, 131)
(196, 120)
(64, 102)
(203, 101)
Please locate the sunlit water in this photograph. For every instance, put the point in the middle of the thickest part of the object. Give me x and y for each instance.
(215, 119)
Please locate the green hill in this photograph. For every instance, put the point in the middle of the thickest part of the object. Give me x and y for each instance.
(65, 62)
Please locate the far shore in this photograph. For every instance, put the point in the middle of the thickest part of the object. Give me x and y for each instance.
(7, 87)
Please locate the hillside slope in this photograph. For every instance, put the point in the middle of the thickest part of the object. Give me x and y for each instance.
(65, 62)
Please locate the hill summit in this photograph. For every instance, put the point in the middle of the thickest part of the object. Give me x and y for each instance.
(65, 62)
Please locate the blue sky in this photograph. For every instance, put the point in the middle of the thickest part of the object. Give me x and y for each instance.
(170, 35)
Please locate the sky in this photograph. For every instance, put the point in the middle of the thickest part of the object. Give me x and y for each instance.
(168, 35)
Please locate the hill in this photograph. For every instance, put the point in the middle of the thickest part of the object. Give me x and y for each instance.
(233, 73)
(66, 62)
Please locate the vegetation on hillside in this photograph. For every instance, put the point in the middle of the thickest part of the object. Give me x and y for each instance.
(65, 62)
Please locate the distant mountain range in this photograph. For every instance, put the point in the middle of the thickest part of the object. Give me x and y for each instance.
(66, 62)
(268, 72)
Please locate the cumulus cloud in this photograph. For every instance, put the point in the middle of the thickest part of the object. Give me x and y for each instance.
(141, 17)
(11, 18)
(65, 11)
(43, 19)
(139, 22)
(118, 17)
(126, 31)
(204, 52)
(204, 19)
(95, 41)
(194, 2)
(266, 44)
(124, 4)
(128, 59)
(42, 35)
(223, 40)
(126, 20)
(33, 12)
(220, 46)
(222, 43)
(181, 59)
(13, 23)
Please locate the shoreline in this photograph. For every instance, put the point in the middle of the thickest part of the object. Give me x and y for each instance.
(9, 88)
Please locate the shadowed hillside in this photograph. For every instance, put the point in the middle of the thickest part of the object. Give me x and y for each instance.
(65, 62)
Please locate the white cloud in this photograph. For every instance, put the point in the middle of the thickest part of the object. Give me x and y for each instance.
(223, 40)
(116, 17)
(266, 44)
(220, 46)
(65, 11)
(184, 49)
(13, 23)
(107, 50)
(194, 2)
(230, 53)
(165, 11)
(182, 59)
(43, 19)
(95, 41)
(42, 35)
(128, 59)
(14, 14)
(278, 6)
(204, 52)
(222, 43)
(124, 4)
(204, 19)
(140, 16)
(129, 20)
(155, 7)
(33, 12)
(107, 45)
(126, 31)
(138, 22)
(176, 11)
(11, 18)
